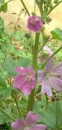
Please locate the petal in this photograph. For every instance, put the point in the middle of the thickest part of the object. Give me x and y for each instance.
(18, 69)
(38, 127)
(31, 118)
(49, 65)
(56, 83)
(46, 88)
(57, 70)
(19, 124)
(18, 80)
(40, 76)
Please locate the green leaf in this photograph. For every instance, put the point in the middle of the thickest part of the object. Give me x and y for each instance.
(9, 64)
(25, 62)
(2, 83)
(4, 7)
(53, 116)
(4, 118)
(4, 90)
(57, 34)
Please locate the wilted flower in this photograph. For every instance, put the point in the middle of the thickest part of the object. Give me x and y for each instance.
(49, 77)
(34, 23)
(29, 124)
(25, 80)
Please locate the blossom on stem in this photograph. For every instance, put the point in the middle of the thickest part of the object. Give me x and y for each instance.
(49, 77)
(45, 56)
(25, 79)
(29, 124)
(46, 48)
(34, 23)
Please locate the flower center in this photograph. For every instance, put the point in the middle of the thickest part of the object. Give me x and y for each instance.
(47, 74)
(26, 128)
(28, 77)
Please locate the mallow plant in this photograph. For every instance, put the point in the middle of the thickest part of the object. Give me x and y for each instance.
(43, 75)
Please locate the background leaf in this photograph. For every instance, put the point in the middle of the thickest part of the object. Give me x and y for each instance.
(57, 34)
(52, 117)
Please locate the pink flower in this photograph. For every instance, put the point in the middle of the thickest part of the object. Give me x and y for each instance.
(48, 77)
(25, 80)
(29, 124)
(34, 23)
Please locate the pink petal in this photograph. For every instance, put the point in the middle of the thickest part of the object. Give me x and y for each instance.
(46, 88)
(38, 127)
(31, 118)
(18, 69)
(26, 88)
(57, 70)
(56, 83)
(49, 65)
(40, 76)
(19, 124)
(18, 80)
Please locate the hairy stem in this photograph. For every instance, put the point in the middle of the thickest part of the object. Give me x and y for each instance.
(34, 65)
(15, 99)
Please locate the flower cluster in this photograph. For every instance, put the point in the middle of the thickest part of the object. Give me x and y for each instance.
(49, 77)
(29, 124)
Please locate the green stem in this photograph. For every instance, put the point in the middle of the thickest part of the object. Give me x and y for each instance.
(25, 7)
(54, 7)
(7, 114)
(15, 99)
(34, 65)
(52, 55)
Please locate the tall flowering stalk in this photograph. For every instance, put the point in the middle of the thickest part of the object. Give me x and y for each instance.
(27, 78)
(36, 28)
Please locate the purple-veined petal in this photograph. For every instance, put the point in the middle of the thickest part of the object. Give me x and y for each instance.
(26, 88)
(57, 70)
(46, 89)
(49, 65)
(31, 118)
(18, 80)
(40, 76)
(19, 124)
(56, 83)
(38, 127)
